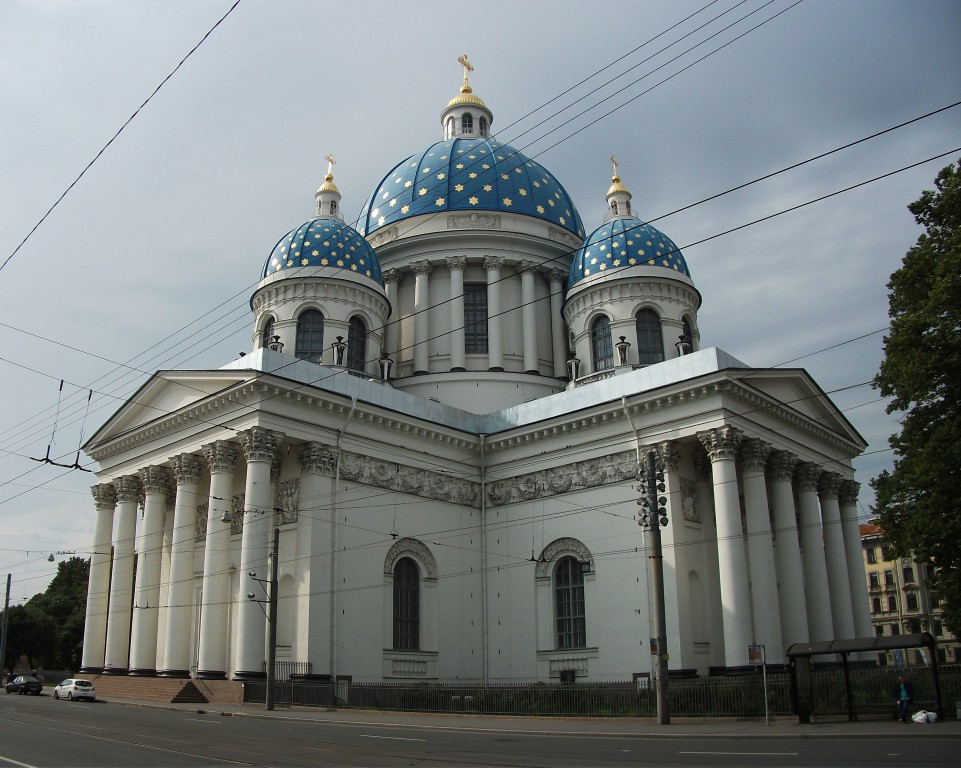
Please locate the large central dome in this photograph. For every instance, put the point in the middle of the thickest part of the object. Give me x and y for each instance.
(469, 174)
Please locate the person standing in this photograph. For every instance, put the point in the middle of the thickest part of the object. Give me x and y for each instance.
(903, 696)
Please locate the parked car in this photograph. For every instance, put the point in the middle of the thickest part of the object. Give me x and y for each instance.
(25, 684)
(72, 688)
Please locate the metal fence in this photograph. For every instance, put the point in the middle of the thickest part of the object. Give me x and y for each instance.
(719, 696)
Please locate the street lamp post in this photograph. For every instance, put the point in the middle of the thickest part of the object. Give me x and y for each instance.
(3, 632)
(272, 595)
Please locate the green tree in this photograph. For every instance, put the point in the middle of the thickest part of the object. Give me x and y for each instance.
(919, 502)
(62, 607)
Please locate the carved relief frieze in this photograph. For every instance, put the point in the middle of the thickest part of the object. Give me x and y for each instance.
(201, 521)
(237, 513)
(689, 500)
(383, 236)
(612, 468)
(418, 482)
(474, 221)
(288, 500)
(563, 236)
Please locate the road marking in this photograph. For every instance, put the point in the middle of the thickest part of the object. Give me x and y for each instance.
(203, 720)
(16, 762)
(392, 738)
(742, 754)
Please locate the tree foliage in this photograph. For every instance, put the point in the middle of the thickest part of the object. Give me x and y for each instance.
(919, 502)
(48, 629)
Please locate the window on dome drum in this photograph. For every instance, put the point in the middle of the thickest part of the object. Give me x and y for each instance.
(450, 127)
(268, 333)
(333, 207)
(467, 124)
(483, 126)
(686, 330)
(602, 347)
(475, 319)
(569, 612)
(356, 345)
(406, 605)
(650, 342)
(310, 336)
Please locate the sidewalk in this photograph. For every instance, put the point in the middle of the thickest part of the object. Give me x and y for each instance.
(646, 727)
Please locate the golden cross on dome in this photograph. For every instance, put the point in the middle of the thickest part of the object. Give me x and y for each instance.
(330, 164)
(468, 67)
(614, 160)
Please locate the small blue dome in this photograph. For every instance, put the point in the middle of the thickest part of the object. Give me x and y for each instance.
(472, 174)
(324, 242)
(625, 242)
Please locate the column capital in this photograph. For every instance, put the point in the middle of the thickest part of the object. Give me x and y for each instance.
(493, 262)
(260, 444)
(457, 262)
(556, 275)
(392, 275)
(781, 464)
(829, 485)
(528, 267)
(721, 442)
(187, 468)
(421, 267)
(221, 456)
(668, 453)
(754, 454)
(315, 458)
(129, 488)
(104, 495)
(807, 474)
(155, 479)
(849, 491)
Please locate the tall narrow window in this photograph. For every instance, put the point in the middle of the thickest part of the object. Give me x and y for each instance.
(475, 319)
(268, 333)
(356, 344)
(450, 127)
(310, 336)
(650, 343)
(602, 348)
(483, 126)
(406, 605)
(686, 330)
(467, 124)
(569, 604)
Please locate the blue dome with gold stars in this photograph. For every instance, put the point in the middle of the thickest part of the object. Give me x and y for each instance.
(626, 242)
(324, 242)
(469, 174)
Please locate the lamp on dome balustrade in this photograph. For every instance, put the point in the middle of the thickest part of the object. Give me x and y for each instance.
(683, 346)
(622, 346)
(340, 350)
(275, 344)
(573, 368)
(385, 365)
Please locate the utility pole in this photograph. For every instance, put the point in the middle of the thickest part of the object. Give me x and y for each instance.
(3, 632)
(653, 516)
(272, 621)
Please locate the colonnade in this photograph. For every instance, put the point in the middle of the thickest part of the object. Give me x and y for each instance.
(496, 327)
(788, 584)
(123, 612)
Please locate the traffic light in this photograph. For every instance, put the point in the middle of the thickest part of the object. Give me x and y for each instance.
(651, 487)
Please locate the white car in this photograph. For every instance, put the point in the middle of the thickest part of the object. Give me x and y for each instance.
(71, 689)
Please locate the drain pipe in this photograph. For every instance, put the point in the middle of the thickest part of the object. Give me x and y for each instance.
(333, 546)
(483, 513)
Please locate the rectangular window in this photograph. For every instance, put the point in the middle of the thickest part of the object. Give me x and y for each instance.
(875, 579)
(892, 603)
(876, 605)
(912, 601)
(895, 629)
(475, 319)
(938, 628)
(872, 555)
(879, 630)
(908, 573)
(885, 552)
(889, 578)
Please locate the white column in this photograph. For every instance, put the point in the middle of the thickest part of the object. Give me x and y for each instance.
(314, 555)
(116, 661)
(456, 265)
(857, 584)
(558, 333)
(495, 322)
(835, 557)
(790, 574)
(98, 584)
(721, 445)
(180, 593)
(529, 316)
(392, 279)
(421, 271)
(260, 446)
(143, 632)
(760, 550)
(221, 458)
(816, 596)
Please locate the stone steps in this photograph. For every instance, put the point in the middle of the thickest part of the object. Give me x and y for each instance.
(168, 690)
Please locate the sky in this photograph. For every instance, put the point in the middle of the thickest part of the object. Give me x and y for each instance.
(149, 260)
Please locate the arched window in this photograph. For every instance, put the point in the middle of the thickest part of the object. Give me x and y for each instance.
(450, 127)
(650, 343)
(614, 207)
(686, 330)
(310, 336)
(467, 124)
(483, 126)
(406, 605)
(268, 333)
(356, 344)
(569, 615)
(333, 207)
(602, 348)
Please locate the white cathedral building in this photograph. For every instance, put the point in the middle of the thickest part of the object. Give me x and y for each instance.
(443, 414)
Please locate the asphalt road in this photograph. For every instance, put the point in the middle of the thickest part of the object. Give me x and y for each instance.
(38, 731)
